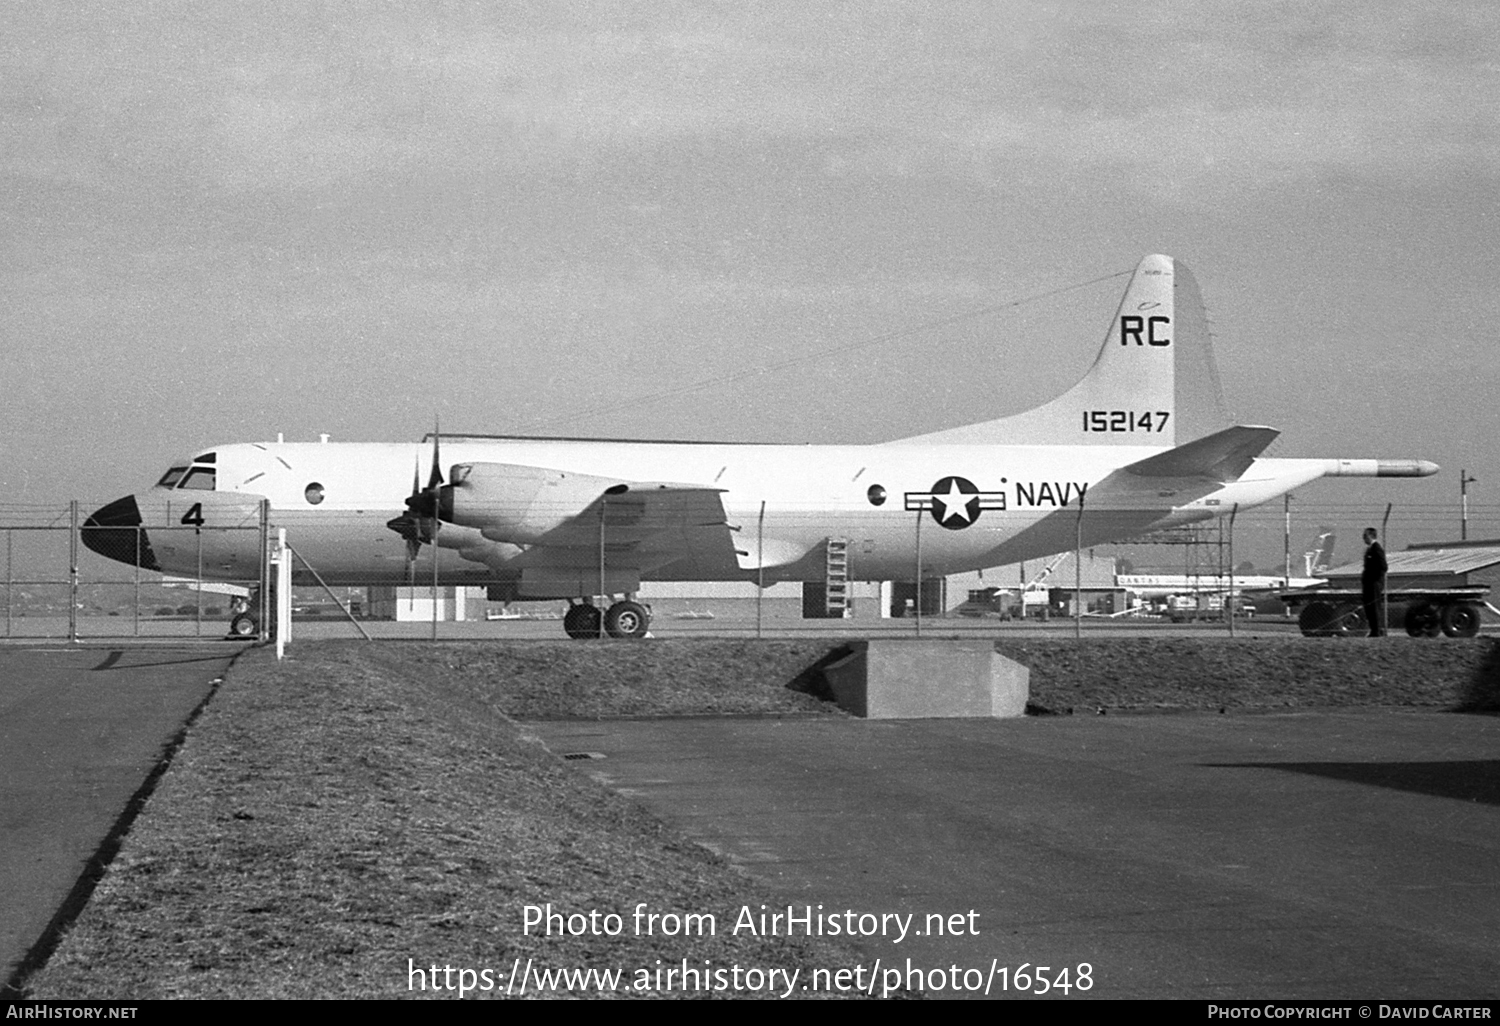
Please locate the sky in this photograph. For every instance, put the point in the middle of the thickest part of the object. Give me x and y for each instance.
(224, 221)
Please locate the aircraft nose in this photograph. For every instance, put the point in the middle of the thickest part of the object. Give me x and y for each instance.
(114, 531)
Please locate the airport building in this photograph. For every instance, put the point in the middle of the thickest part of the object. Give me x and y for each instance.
(862, 600)
(403, 604)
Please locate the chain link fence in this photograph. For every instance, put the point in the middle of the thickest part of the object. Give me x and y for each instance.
(55, 589)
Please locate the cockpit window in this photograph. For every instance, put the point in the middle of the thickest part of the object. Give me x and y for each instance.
(207, 457)
(200, 479)
(171, 477)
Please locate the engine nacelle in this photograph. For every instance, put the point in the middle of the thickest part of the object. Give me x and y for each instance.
(516, 504)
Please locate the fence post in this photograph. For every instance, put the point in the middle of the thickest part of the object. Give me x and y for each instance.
(73, 571)
(136, 615)
(1077, 572)
(1287, 542)
(263, 631)
(760, 566)
(603, 597)
(436, 527)
(198, 590)
(1230, 597)
(1385, 602)
(921, 508)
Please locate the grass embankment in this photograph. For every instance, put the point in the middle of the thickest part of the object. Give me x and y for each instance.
(357, 806)
(1260, 673)
(561, 679)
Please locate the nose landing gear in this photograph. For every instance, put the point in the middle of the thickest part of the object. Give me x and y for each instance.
(245, 623)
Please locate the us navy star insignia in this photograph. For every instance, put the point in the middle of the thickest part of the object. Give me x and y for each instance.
(955, 502)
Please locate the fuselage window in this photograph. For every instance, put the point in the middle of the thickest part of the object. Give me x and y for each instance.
(200, 479)
(314, 493)
(171, 477)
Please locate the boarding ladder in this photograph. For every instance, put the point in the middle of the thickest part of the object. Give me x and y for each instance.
(836, 577)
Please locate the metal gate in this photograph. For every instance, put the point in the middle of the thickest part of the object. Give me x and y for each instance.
(55, 589)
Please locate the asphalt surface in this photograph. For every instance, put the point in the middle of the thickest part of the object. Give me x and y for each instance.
(81, 731)
(1307, 855)
(1320, 855)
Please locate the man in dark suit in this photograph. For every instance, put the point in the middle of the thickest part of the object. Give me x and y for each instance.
(1372, 584)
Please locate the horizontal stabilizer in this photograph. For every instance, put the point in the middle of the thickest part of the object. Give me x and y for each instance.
(1222, 456)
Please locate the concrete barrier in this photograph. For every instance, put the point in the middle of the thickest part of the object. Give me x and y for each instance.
(922, 679)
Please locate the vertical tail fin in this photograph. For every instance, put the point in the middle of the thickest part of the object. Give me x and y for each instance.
(1153, 382)
(1321, 556)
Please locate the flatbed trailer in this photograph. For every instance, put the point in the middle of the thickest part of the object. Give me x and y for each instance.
(1424, 612)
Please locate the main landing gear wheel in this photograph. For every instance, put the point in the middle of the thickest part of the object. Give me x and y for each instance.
(581, 622)
(1460, 620)
(627, 620)
(1423, 621)
(243, 626)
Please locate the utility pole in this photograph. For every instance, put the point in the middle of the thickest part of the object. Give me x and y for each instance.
(1287, 579)
(1464, 480)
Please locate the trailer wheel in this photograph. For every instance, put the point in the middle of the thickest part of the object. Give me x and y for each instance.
(1316, 620)
(1351, 623)
(1460, 620)
(1422, 621)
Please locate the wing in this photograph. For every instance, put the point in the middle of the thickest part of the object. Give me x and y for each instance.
(565, 525)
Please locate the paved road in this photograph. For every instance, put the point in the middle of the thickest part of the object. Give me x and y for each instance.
(80, 731)
(1309, 855)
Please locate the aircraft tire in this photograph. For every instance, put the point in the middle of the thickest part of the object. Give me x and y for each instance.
(1316, 620)
(581, 622)
(1422, 621)
(243, 626)
(1460, 620)
(627, 620)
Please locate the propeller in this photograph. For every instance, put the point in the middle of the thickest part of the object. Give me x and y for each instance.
(419, 524)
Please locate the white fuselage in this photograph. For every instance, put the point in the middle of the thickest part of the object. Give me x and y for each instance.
(782, 503)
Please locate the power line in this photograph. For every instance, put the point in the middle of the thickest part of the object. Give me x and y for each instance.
(725, 379)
